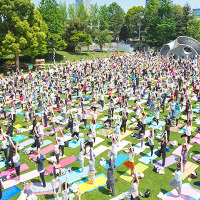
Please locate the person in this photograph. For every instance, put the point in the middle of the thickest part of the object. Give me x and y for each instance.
(70, 123)
(151, 142)
(4, 146)
(123, 125)
(177, 112)
(40, 161)
(163, 147)
(110, 177)
(65, 189)
(36, 138)
(80, 158)
(114, 149)
(61, 141)
(16, 158)
(134, 186)
(55, 183)
(91, 172)
(131, 162)
(177, 178)
(11, 154)
(184, 155)
(167, 127)
(188, 132)
(41, 131)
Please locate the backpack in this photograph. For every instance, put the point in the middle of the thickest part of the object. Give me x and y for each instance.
(147, 193)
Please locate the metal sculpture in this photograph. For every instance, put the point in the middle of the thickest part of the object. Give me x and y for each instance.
(182, 46)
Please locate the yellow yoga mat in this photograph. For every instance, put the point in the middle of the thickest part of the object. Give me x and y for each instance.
(140, 167)
(126, 134)
(86, 186)
(189, 167)
(18, 126)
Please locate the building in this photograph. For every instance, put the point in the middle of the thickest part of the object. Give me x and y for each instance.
(147, 1)
(197, 11)
(78, 2)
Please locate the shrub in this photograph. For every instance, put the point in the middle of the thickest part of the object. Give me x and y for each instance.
(122, 51)
(76, 50)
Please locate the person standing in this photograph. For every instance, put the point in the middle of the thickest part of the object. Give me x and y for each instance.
(40, 161)
(177, 178)
(91, 172)
(110, 177)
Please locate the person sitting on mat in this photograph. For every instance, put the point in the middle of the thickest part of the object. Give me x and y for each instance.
(131, 162)
(177, 177)
(110, 177)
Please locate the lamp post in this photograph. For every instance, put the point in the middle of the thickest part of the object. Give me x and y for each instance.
(54, 53)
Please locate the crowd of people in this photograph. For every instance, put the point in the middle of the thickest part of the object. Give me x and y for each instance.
(138, 85)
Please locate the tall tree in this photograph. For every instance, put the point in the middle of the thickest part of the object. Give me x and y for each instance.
(116, 19)
(81, 13)
(62, 13)
(194, 28)
(133, 19)
(123, 35)
(151, 19)
(72, 15)
(166, 23)
(178, 15)
(22, 29)
(104, 17)
(187, 16)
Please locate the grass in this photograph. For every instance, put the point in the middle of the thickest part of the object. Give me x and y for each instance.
(152, 180)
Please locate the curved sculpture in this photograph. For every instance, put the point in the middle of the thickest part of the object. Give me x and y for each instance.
(182, 46)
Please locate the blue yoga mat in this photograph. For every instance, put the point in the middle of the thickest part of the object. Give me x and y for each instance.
(146, 159)
(75, 175)
(86, 180)
(149, 119)
(97, 126)
(11, 192)
(21, 114)
(75, 96)
(73, 144)
(15, 108)
(46, 142)
(19, 138)
(121, 158)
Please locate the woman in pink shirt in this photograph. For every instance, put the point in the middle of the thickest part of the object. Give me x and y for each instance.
(119, 100)
(85, 88)
(21, 100)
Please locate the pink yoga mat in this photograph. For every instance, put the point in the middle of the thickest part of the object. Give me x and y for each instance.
(7, 113)
(197, 137)
(168, 161)
(187, 192)
(178, 150)
(62, 163)
(43, 151)
(23, 177)
(23, 167)
(56, 130)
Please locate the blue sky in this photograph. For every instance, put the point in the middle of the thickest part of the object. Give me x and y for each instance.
(126, 4)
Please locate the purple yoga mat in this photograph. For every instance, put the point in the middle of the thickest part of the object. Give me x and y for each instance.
(26, 143)
(56, 130)
(168, 161)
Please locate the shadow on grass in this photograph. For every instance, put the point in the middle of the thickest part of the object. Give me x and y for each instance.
(49, 196)
(109, 143)
(164, 191)
(120, 172)
(171, 169)
(36, 180)
(75, 168)
(104, 190)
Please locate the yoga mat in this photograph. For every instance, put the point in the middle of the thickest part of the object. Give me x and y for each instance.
(53, 158)
(19, 138)
(189, 167)
(176, 128)
(46, 142)
(196, 157)
(196, 138)
(121, 158)
(97, 151)
(122, 144)
(97, 126)
(85, 185)
(62, 163)
(168, 161)
(56, 130)
(37, 188)
(11, 192)
(105, 132)
(74, 143)
(23, 167)
(98, 140)
(75, 175)
(2, 164)
(43, 151)
(147, 158)
(17, 126)
(177, 151)
(26, 143)
(126, 134)
(188, 193)
(24, 177)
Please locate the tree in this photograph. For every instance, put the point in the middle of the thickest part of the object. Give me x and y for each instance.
(151, 18)
(123, 35)
(133, 19)
(194, 28)
(22, 29)
(116, 19)
(187, 17)
(166, 23)
(55, 15)
(103, 37)
(104, 17)
(178, 15)
(72, 12)
(74, 33)
(81, 13)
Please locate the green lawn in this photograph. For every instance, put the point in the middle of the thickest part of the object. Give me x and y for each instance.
(152, 180)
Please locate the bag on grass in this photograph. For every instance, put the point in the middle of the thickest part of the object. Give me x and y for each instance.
(158, 153)
(147, 194)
